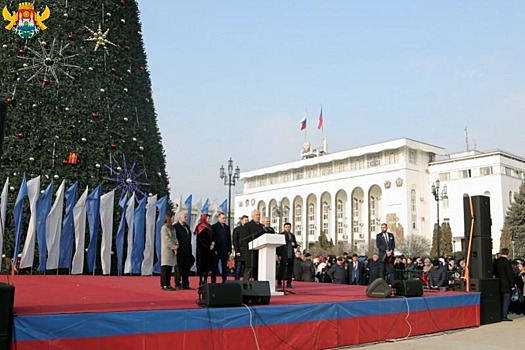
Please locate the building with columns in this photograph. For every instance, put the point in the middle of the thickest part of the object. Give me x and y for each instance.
(347, 195)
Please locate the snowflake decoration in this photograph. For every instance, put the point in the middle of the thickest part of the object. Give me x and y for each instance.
(126, 179)
(48, 63)
(99, 37)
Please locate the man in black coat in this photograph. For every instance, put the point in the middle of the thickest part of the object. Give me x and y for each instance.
(503, 271)
(385, 246)
(374, 267)
(286, 257)
(223, 243)
(185, 259)
(307, 269)
(238, 245)
(437, 276)
(252, 230)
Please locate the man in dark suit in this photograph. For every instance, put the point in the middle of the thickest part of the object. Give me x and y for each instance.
(286, 257)
(223, 243)
(385, 245)
(374, 267)
(185, 258)
(503, 271)
(252, 230)
(240, 247)
(355, 271)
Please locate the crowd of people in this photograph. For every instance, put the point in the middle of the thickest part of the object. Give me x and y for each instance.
(219, 253)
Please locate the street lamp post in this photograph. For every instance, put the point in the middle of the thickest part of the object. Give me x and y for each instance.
(229, 178)
(438, 197)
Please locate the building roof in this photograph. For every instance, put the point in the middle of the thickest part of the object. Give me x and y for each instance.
(462, 156)
(354, 152)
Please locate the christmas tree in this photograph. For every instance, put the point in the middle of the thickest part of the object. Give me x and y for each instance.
(80, 108)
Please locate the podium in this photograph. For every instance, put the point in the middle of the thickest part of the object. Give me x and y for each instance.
(266, 245)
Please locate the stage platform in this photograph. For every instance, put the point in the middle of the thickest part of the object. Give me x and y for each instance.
(109, 312)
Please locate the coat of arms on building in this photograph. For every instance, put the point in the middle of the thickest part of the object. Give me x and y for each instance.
(26, 22)
(399, 182)
(388, 183)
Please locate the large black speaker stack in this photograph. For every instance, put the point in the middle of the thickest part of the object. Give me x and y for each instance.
(481, 249)
(255, 292)
(481, 267)
(7, 299)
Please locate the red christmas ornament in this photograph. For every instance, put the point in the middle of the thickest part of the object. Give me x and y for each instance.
(21, 135)
(21, 52)
(127, 47)
(65, 162)
(94, 115)
(123, 2)
(113, 145)
(70, 37)
(72, 158)
(141, 68)
(113, 70)
(46, 81)
(10, 100)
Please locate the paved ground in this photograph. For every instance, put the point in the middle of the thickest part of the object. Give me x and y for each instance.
(503, 335)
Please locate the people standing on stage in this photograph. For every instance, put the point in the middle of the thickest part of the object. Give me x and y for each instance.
(206, 254)
(223, 243)
(337, 272)
(297, 269)
(503, 271)
(240, 246)
(266, 223)
(285, 254)
(185, 259)
(307, 269)
(253, 230)
(385, 246)
(355, 271)
(168, 248)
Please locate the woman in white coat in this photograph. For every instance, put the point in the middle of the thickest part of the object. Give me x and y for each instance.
(168, 257)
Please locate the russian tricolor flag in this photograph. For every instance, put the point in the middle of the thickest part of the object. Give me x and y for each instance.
(303, 123)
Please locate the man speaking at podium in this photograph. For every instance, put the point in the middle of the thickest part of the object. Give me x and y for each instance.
(252, 230)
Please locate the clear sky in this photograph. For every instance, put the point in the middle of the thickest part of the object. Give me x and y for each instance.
(234, 78)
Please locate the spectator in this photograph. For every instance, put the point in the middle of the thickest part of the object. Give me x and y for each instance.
(437, 276)
(308, 269)
(373, 268)
(337, 272)
(297, 269)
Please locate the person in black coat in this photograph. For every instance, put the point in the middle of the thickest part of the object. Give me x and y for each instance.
(355, 271)
(223, 243)
(337, 272)
(286, 257)
(437, 276)
(239, 246)
(206, 252)
(374, 268)
(385, 246)
(503, 271)
(308, 269)
(252, 230)
(185, 258)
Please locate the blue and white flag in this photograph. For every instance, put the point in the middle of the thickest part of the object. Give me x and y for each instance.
(3, 210)
(162, 206)
(19, 206)
(68, 229)
(79, 219)
(43, 207)
(119, 239)
(106, 220)
(137, 254)
(28, 254)
(54, 228)
(93, 214)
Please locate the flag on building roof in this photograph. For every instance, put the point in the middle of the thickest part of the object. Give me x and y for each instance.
(303, 123)
(321, 120)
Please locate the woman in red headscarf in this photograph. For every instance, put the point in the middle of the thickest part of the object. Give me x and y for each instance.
(206, 254)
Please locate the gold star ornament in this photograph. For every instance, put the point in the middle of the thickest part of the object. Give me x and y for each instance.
(99, 38)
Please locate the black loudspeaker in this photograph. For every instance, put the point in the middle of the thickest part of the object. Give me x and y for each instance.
(7, 300)
(255, 292)
(482, 220)
(409, 288)
(481, 265)
(220, 295)
(490, 303)
(3, 117)
(378, 289)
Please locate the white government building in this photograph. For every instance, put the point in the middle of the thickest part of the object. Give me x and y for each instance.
(348, 194)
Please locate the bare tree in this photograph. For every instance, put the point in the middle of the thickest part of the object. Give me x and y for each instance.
(414, 245)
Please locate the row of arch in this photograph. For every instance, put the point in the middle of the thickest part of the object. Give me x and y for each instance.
(347, 218)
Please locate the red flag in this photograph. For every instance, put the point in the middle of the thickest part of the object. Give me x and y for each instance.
(320, 125)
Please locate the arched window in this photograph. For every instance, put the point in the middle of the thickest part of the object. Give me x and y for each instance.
(340, 217)
(326, 210)
(286, 214)
(311, 219)
(413, 208)
(273, 218)
(298, 217)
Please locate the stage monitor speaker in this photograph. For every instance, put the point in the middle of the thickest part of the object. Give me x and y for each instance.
(481, 265)
(378, 289)
(255, 292)
(481, 209)
(220, 295)
(3, 117)
(7, 300)
(409, 288)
